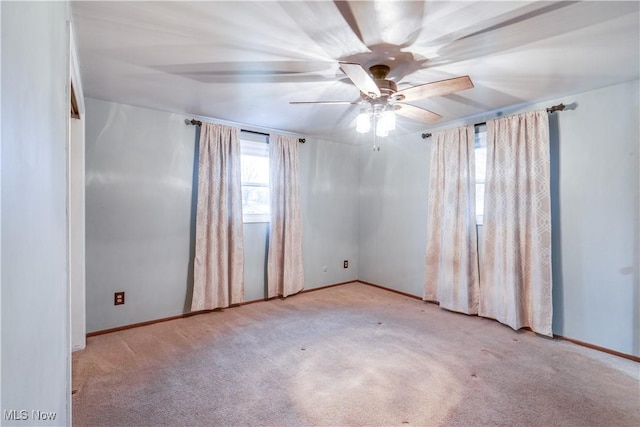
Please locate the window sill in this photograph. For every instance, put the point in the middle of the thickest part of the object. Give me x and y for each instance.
(256, 218)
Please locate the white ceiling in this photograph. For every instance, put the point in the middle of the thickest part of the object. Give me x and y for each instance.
(243, 61)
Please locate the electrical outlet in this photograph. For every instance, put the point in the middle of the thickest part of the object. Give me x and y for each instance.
(118, 298)
(346, 263)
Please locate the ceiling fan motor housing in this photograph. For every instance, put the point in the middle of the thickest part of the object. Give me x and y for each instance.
(387, 87)
(379, 72)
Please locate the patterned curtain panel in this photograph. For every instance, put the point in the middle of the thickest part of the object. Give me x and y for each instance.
(451, 274)
(516, 264)
(285, 271)
(219, 257)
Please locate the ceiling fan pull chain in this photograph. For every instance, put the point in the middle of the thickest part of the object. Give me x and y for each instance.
(376, 147)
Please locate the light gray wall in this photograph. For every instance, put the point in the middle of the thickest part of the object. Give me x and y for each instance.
(329, 198)
(140, 207)
(595, 195)
(596, 226)
(393, 210)
(35, 350)
(255, 257)
(139, 174)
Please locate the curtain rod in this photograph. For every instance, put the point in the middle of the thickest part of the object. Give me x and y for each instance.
(195, 122)
(559, 107)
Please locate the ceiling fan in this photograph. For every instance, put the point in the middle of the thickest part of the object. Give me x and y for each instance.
(381, 99)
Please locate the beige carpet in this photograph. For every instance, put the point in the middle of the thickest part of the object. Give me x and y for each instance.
(347, 355)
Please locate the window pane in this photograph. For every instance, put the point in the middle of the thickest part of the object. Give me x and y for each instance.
(479, 202)
(254, 165)
(255, 200)
(255, 170)
(481, 170)
(481, 164)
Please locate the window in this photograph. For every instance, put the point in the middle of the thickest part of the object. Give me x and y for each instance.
(481, 169)
(254, 163)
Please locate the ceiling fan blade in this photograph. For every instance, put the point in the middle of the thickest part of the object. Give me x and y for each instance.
(361, 79)
(248, 67)
(254, 71)
(416, 113)
(439, 88)
(377, 22)
(513, 26)
(347, 13)
(326, 102)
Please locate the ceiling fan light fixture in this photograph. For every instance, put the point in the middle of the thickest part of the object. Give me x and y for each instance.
(381, 128)
(363, 122)
(389, 119)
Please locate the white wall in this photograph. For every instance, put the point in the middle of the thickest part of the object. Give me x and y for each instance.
(1, 119)
(140, 215)
(35, 348)
(595, 195)
(77, 233)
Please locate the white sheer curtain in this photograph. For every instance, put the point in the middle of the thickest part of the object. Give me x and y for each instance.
(219, 257)
(516, 248)
(451, 273)
(285, 271)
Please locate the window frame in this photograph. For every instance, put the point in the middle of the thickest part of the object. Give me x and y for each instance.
(479, 142)
(251, 144)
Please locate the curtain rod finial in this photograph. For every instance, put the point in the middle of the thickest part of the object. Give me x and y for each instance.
(559, 107)
(426, 135)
